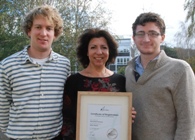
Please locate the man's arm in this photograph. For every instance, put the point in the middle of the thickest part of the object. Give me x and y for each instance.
(5, 99)
(184, 100)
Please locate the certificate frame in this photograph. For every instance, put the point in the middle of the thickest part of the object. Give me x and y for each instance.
(88, 98)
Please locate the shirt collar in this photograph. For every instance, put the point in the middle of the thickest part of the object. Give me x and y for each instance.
(52, 57)
(138, 59)
(138, 66)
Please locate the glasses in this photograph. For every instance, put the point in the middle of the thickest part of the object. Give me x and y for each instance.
(150, 34)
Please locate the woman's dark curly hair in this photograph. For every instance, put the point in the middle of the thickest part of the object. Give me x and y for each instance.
(85, 38)
(144, 18)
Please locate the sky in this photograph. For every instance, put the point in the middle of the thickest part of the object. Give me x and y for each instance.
(124, 13)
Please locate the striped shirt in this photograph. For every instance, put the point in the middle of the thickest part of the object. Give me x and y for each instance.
(31, 96)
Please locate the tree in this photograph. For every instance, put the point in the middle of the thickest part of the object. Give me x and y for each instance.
(182, 38)
(189, 6)
(191, 61)
(11, 37)
(77, 14)
(185, 37)
(183, 53)
(134, 50)
(169, 51)
(121, 70)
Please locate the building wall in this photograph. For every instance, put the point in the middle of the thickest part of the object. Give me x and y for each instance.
(124, 54)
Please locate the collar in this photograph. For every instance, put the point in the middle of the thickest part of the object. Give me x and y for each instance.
(138, 59)
(25, 56)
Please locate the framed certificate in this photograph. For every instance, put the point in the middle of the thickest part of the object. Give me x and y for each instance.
(104, 115)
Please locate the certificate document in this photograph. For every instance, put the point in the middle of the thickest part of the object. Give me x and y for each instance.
(104, 115)
(104, 122)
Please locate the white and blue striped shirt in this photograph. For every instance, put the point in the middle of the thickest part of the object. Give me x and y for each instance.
(31, 96)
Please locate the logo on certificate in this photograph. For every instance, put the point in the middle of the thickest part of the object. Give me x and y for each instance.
(112, 134)
(104, 109)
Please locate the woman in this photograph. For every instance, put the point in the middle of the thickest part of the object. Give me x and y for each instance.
(96, 49)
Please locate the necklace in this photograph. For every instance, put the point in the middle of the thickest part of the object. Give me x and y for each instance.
(91, 73)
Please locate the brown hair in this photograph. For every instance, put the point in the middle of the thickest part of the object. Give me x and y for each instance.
(149, 17)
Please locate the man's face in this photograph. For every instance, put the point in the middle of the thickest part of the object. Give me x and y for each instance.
(148, 39)
(41, 34)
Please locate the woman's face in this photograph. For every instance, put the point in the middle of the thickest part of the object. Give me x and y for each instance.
(98, 52)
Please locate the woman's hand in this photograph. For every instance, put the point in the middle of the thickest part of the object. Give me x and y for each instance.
(133, 114)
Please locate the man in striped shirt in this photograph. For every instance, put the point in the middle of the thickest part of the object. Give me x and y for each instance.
(32, 81)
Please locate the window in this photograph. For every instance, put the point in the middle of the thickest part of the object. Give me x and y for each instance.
(122, 61)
